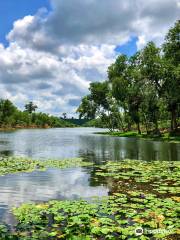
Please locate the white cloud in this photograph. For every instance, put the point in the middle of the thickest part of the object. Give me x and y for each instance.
(50, 81)
(52, 57)
(52, 184)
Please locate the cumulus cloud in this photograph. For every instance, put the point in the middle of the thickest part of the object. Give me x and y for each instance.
(53, 56)
(53, 83)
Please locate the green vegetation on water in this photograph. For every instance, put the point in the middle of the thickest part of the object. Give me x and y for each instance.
(18, 164)
(143, 195)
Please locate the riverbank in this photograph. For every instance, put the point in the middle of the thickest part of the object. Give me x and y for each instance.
(2, 129)
(164, 136)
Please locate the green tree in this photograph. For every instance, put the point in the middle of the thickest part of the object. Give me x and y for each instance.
(64, 115)
(126, 80)
(143, 89)
(171, 46)
(171, 88)
(87, 108)
(7, 111)
(152, 68)
(30, 107)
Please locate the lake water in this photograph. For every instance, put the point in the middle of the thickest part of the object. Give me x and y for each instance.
(67, 143)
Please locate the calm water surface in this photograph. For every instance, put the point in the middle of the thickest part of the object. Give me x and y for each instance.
(68, 143)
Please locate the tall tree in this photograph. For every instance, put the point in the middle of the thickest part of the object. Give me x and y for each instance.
(64, 115)
(152, 67)
(126, 80)
(171, 88)
(30, 107)
(87, 108)
(141, 87)
(7, 110)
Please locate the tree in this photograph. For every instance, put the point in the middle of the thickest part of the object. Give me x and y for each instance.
(7, 111)
(126, 80)
(98, 93)
(117, 75)
(64, 115)
(142, 89)
(87, 108)
(30, 107)
(171, 46)
(171, 88)
(152, 67)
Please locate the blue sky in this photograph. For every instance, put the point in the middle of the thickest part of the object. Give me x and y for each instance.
(55, 56)
(129, 48)
(12, 10)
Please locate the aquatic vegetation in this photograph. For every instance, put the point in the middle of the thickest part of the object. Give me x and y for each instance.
(114, 217)
(66, 163)
(159, 177)
(16, 165)
(143, 204)
(10, 165)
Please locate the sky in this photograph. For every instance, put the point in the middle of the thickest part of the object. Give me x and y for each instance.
(50, 50)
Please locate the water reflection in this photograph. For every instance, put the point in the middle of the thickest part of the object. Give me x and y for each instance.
(100, 148)
(80, 142)
(67, 143)
(43, 186)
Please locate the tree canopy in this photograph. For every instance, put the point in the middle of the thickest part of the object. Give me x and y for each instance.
(12, 117)
(141, 90)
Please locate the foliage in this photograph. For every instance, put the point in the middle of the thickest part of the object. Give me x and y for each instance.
(10, 165)
(172, 73)
(87, 109)
(143, 89)
(142, 195)
(11, 117)
(30, 107)
(164, 137)
(98, 123)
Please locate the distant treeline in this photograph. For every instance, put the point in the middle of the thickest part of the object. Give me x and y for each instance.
(12, 117)
(142, 90)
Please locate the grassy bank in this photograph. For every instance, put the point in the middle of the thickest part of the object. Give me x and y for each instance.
(142, 195)
(164, 136)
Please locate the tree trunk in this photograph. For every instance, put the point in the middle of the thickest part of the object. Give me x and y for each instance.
(129, 126)
(146, 124)
(109, 120)
(138, 127)
(120, 124)
(157, 131)
(173, 120)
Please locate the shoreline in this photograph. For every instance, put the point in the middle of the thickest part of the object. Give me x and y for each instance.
(19, 128)
(164, 138)
(30, 127)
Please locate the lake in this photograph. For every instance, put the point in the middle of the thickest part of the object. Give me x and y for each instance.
(63, 143)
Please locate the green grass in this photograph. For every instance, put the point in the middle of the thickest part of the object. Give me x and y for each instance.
(164, 137)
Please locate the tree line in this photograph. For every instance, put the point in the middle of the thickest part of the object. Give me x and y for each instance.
(142, 90)
(12, 117)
